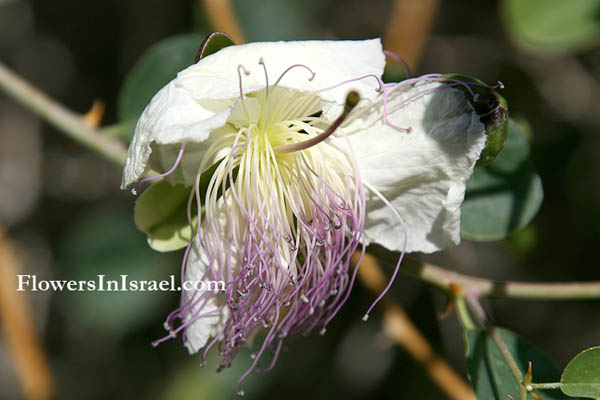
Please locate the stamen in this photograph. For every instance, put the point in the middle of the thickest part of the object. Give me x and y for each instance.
(136, 190)
(403, 225)
(292, 67)
(382, 87)
(360, 78)
(352, 100)
(246, 72)
(261, 62)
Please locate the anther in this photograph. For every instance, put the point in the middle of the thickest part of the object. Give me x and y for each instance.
(365, 318)
(304, 298)
(261, 62)
(312, 76)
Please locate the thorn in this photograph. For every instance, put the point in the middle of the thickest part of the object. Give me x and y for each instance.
(448, 309)
(94, 116)
(455, 289)
(528, 377)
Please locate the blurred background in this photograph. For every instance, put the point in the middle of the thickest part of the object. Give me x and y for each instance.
(66, 218)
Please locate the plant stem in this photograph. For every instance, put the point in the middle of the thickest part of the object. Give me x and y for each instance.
(18, 325)
(443, 279)
(463, 313)
(63, 119)
(481, 316)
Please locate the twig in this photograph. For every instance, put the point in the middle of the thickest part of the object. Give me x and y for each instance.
(481, 316)
(65, 120)
(408, 29)
(222, 18)
(20, 332)
(443, 279)
(398, 327)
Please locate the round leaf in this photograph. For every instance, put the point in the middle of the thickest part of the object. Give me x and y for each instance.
(553, 25)
(155, 69)
(504, 196)
(581, 377)
(491, 376)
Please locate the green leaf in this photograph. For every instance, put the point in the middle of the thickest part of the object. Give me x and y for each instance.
(213, 43)
(284, 20)
(157, 66)
(581, 377)
(504, 196)
(161, 212)
(553, 25)
(489, 373)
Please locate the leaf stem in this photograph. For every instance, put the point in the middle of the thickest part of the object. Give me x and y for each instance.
(463, 313)
(481, 316)
(63, 119)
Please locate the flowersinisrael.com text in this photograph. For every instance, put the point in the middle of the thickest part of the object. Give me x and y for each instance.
(123, 284)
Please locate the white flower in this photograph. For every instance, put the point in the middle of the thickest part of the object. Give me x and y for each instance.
(281, 215)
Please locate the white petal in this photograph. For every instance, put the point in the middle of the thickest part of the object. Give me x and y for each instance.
(202, 96)
(216, 76)
(422, 173)
(171, 117)
(200, 331)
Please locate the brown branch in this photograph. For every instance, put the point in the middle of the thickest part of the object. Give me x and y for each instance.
(222, 18)
(31, 364)
(398, 327)
(408, 29)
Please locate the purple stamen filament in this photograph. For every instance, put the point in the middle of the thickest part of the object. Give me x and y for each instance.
(163, 175)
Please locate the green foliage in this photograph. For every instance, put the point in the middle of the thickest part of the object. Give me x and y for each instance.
(161, 213)
(581, 377)
(491, 376)
(274, 19)
(504, 196)
(213, 43)
(553, 25)
(154, 69)
(108, 244)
